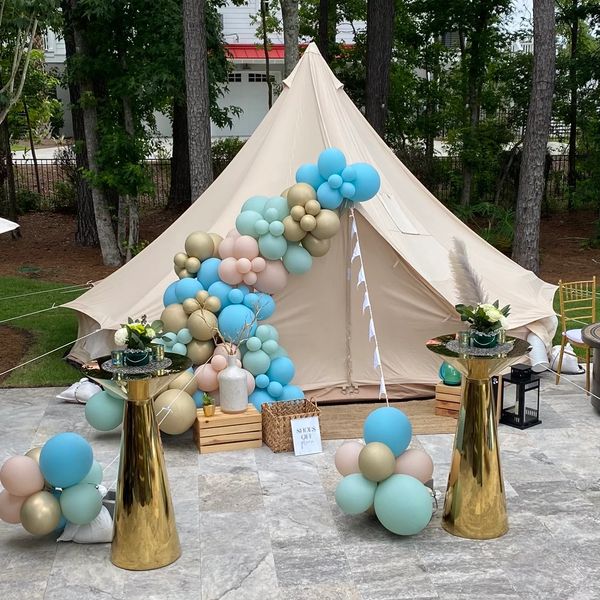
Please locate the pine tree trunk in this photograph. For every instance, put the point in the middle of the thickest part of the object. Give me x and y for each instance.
(106, 235)
(323, 33)
(291, 26)
(198, 107)
(133, 215)
(13, 211)
(572, 167)
(265, 43)
(179, 192)
(531, 179)
(86, 233)
(380, 28)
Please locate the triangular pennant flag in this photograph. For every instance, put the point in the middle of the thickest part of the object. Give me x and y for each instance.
(376, 359)
(366, 302)
(382, 389)
(354, 230)
(371, 329)
(356, 252)
(361, 276)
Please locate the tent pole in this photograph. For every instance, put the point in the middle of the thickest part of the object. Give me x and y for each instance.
(349, 388)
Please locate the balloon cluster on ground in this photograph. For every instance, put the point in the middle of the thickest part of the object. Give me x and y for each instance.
(385, 476)
(51, 486)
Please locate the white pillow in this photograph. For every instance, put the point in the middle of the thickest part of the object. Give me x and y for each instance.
(98, 531)
(80, 392)
(570, 365)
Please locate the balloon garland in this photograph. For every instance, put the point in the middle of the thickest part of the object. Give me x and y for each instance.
(384, 475)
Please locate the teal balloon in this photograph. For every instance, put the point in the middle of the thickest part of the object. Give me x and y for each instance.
(276, 228)
(403, 504)
(272, 247)
(253, 344)
(262, 227)
(297, 260)
(81, 503)
(179, 348)
(270, 347)
(169, 338)
(279, 353)
(104, 412)
(449, 375)
(95, 474)
(280, 205)
(270, 214)
(184, 336)
(265, 332)
(245, 222)
(257, 362)
(354, 494)
(255, 203)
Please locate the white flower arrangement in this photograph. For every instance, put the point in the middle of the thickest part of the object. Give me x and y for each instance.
(486, 318)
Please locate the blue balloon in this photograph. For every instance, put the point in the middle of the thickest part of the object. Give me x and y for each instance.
(198, 398)
(390, 426)
(209, 272)
(184, 336)
(331, 161)
(104, 412)
(349, 173)
(348, 190)
(261, 304)
(262, 381)
(169, 297)
(258, 398)
(246, 221)
(403, 504)
(328, 197)
(255, 203)
(66, 459)
(275, 389)
(262, 227)
(297, 260)
(291, 392)
(354, 494)
(63, 522)
(335, 181)
(309, 173)
(236, 296)
(169, 338)
(281, 370)
(272, 247)
(221, 290)
(179, 348)
(236, 322)
(186, 288)
(367, 182)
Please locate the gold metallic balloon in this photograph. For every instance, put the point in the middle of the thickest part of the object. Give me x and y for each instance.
(202, 296)
(292, 231)
(200, 245)
(40, 513)
(174, 318)
(180, 259)
(308, 223)
(217, 239)
(376, 461)
(285, 193)
(300, 193)
(177, 270)
(184, 381)
(202, 325)
(312, 207)
(192, 264)
(213, 304)
(183, 274)
(297, 212)
(200, 352)
(315, 246)
(175, 411)
(190, 305)
(328, 224)
(35, 453)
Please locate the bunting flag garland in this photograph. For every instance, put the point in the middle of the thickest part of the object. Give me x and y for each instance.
(366, 305)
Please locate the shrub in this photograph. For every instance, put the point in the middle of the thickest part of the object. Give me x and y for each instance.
(223, 152)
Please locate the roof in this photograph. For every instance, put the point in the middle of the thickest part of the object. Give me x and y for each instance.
(254, 51)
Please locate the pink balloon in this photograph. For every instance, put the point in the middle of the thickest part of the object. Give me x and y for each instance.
(346, 458)
(416, 463)
(233, 233)
(250, 278)
(218, 362)
(226, 247)
(206, 377)
(250, 382)
(222, 350)
(228, 270)
(245, 247)
(273, 279)
(258, 264)
(10, 507)
(243, 265)
(21, 476)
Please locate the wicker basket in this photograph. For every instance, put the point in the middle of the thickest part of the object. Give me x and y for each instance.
(277, 430)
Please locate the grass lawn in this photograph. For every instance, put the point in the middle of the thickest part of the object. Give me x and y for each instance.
(48, 330)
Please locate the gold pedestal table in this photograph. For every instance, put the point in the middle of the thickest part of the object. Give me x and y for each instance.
(475, 505)
(144, 531)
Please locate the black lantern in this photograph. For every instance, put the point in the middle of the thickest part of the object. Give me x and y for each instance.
(520, 398)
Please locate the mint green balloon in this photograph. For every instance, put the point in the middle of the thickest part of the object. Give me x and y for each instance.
(256, 362)
(272, 247)
(297, 260)
(280, 205)
(276, 228)
(104, 412)
(354, 494)
(253, 344)
(95, 474)
(81, 503)
(270, 347)
(403, 504)
(246, 222)
(255, 203)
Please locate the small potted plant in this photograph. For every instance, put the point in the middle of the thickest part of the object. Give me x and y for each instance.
(486, 321)
(136, 335)
(208, 405)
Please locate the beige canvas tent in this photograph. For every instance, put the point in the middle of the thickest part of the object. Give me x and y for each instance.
(406, 236)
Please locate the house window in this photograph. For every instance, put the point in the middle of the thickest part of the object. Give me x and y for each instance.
(259, 78)
(234, 77)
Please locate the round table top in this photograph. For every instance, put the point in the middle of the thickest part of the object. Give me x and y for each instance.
(178, 363)
(514, 348)
(591, 335)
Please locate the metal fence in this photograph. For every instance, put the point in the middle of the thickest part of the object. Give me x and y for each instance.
(52, 183)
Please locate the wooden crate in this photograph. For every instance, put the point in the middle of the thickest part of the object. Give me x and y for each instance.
(447, 400)
(223, 431)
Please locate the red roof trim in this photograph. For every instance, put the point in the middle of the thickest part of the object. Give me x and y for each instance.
(253, 51)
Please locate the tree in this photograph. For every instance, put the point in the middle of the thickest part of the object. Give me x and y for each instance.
(531, 180)
(291, 27)
(380, 28)
(197, 91)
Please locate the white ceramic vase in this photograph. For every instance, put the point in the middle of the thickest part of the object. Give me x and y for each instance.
(233, 389)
